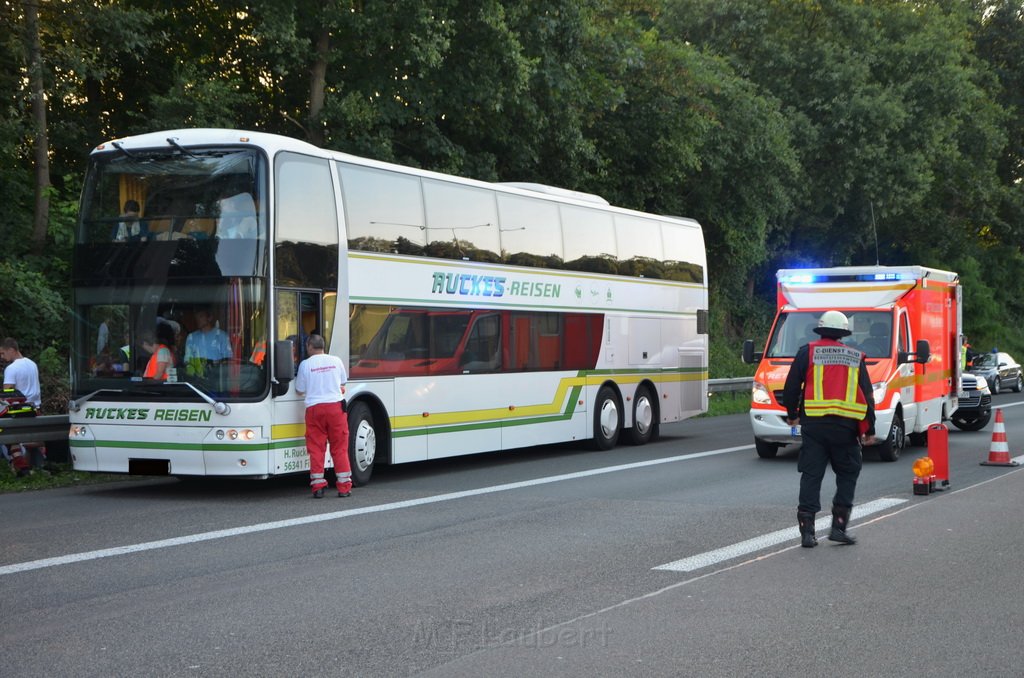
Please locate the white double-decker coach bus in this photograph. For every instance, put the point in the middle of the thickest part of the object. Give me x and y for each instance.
(472, 316)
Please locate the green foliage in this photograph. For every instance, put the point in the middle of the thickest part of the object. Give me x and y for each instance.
(30, 309)
(793, 130)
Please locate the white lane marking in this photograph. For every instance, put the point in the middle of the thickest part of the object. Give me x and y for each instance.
(336, 515)
(771, 539)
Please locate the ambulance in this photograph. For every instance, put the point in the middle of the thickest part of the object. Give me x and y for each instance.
(906, 320)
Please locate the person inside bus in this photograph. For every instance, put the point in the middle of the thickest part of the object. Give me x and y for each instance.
(130, 227)
(175, 232)
(208, 342)
(259, 353)
(237, 217)
(162, 357)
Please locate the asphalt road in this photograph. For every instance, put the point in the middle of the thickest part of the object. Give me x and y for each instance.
(543, 561)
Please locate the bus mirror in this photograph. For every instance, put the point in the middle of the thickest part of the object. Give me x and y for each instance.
(749, 356)
(284, 361)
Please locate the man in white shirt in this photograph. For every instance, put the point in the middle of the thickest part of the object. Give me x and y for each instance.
(22, 374)
(321, 379)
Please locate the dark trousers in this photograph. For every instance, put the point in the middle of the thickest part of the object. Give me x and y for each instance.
(824, 444)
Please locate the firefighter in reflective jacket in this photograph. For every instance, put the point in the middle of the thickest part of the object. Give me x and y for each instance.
(828, 392)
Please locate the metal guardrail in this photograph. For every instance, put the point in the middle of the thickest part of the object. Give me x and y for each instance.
(55, 427)
(33, 429)
(735, 384)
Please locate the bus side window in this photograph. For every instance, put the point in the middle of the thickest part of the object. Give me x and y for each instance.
(483, 349)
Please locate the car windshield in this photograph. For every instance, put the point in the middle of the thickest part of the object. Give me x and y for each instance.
(985, 360)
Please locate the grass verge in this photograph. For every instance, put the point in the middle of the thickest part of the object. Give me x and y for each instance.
(53, 475)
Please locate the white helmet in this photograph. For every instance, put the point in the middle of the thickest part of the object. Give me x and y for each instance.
(834, 324)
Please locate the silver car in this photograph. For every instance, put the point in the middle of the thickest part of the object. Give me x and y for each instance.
(1000, 370)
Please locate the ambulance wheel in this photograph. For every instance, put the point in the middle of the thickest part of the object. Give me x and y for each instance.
(362, 442)
(890, 448)
(645, 417)
(607, 419)
(765, 449)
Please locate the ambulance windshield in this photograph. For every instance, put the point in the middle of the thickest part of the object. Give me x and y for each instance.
(871, 332)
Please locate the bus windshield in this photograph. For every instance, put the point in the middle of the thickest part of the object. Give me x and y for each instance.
(156, 339)
(170, 195)
(871, 332)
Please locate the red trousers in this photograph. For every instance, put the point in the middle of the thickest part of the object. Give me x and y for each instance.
(327, 423)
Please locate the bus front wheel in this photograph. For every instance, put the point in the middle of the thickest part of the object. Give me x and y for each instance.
(362, 442)
(607, 419)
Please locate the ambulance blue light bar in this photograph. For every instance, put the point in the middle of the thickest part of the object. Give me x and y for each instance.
(812, 279)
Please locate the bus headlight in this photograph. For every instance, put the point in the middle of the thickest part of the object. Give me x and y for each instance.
(878, 391)
(235, 434)
(759, 394)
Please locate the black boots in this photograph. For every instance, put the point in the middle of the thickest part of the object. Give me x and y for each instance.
(840, 519)
(806, 522)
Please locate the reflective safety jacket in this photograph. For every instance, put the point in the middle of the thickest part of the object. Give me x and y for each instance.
(154, 362)
(831, 385)
(259, 353)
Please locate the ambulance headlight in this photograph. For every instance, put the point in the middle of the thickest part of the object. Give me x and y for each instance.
(760, 395)
(878, 391)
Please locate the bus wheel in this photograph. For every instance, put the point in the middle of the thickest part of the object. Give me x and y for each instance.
(607, 419)
(362, 442)
(645, 417)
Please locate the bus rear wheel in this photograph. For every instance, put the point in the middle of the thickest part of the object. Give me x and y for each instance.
(362, 442)
(645, 417)
(607, 419)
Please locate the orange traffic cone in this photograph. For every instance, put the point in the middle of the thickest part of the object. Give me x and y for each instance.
(999, 454)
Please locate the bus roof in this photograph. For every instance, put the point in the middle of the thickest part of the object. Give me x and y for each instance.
(274, 143)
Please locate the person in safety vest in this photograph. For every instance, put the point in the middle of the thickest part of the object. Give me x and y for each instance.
(828, 392)
(162, 356)
(321, 381)
(259, 353)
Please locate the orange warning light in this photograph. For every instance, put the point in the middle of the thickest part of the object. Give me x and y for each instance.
(924, 467)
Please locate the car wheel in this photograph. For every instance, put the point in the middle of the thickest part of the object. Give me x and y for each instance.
(890, 449)
(973, 422)
(1018, 384)
(995, 386)
(766, 450)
